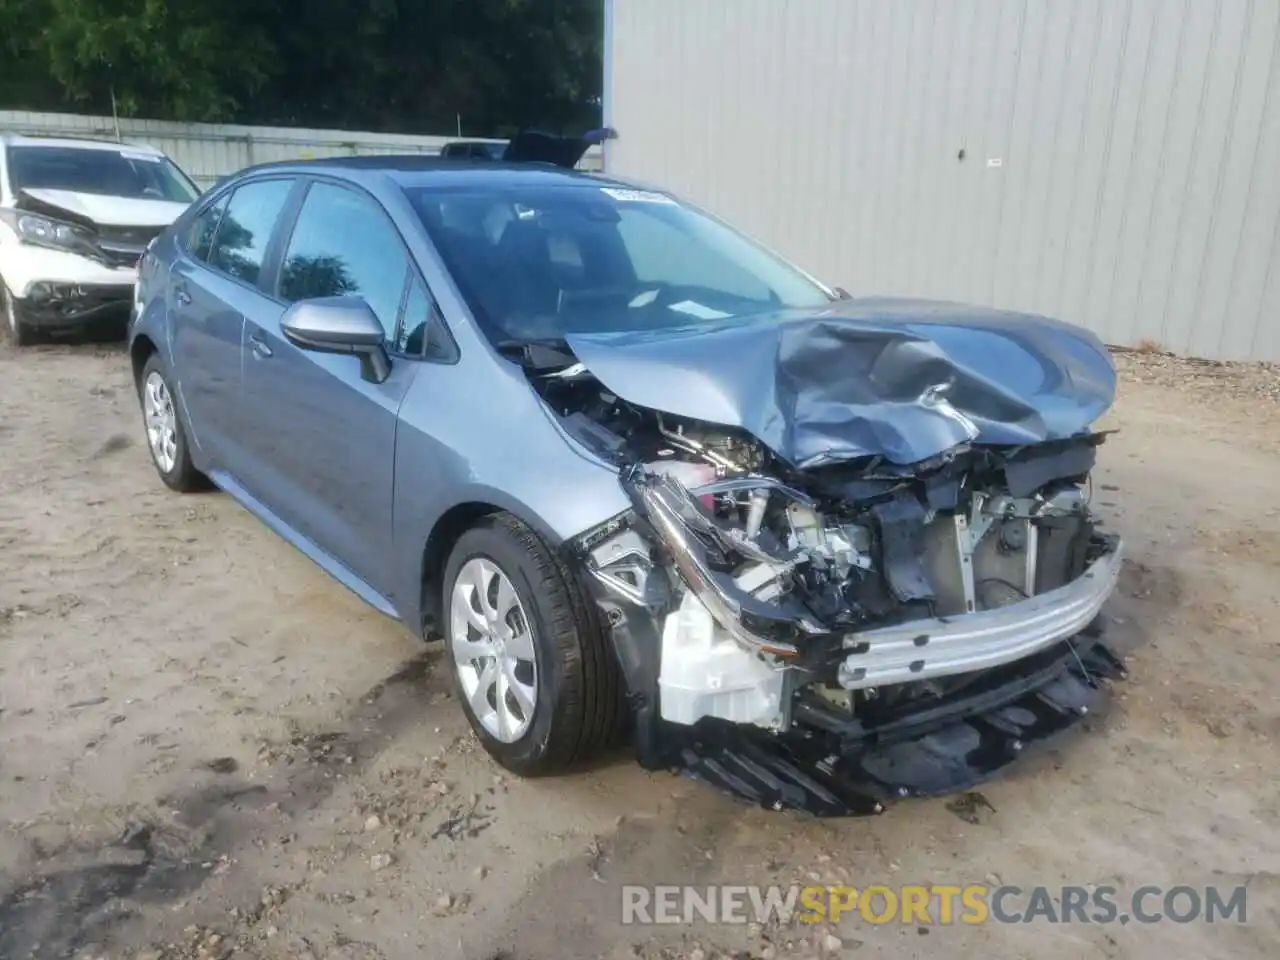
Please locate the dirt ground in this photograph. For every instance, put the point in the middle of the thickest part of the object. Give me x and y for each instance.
(208, 748)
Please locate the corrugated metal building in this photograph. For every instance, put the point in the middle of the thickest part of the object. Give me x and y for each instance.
(208, 151)
(1115, 163)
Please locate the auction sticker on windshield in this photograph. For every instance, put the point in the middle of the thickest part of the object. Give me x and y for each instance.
(695, 309)
(637, 196)
(147, 157)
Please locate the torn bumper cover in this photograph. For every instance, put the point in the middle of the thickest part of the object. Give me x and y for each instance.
(857, 769)
(51, 305)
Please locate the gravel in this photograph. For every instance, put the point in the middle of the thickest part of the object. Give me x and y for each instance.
(1240, 380)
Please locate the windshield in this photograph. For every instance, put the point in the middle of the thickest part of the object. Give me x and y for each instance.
(537, 262)
(115, 173)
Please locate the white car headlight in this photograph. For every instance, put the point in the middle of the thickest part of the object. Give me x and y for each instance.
(49, 233)
(41, 231)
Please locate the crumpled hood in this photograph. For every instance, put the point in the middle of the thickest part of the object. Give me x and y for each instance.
(905, 379)
(112, 211)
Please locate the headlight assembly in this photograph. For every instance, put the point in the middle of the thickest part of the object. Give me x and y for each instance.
(41, 231)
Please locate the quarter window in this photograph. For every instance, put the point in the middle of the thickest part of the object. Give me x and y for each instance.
(198, 241)
(421, 331)
(240, 242)
(344, 245)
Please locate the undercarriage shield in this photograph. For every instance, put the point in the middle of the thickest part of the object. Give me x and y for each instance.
(859, 771)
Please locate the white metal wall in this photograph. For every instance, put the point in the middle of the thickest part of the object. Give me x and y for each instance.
(209, 151)
(1115, 163)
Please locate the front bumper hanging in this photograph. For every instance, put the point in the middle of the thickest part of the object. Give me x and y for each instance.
(852, 769)
(1029, 671)
(66, 305)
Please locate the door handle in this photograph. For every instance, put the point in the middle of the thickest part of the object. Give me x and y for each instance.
(259, 346)
(180, 294)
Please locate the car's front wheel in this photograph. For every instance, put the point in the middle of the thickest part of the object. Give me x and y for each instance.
(166, 435)
(534, 673)
(21, 333)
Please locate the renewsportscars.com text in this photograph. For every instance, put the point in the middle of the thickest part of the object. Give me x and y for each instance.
(932, 904)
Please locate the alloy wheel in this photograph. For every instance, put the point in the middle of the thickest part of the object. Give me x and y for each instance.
(492, 645)
(161, 420)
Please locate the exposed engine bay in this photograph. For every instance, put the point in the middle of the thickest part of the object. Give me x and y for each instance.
(833, 637)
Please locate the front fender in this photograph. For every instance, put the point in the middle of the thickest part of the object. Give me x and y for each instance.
(472, 435)
(150, 313)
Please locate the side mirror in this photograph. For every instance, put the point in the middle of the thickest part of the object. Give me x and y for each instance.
(842, 294)
(339, 325)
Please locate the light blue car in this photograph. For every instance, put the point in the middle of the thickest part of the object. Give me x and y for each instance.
(647, 480)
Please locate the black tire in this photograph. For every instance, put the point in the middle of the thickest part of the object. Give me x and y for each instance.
(182, 475)
(580, 708)
(21, 333)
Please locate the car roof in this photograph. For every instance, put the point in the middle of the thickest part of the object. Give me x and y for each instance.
(425, 170)
(75, 143)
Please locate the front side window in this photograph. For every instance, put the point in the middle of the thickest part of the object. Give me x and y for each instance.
(344, 245)
(240, 241)
(136, 175)
(538, 262)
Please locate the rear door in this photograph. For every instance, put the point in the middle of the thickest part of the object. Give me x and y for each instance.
(211, 289)
(328, 437)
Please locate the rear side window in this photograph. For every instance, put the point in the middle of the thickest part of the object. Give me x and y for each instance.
(240, 241)
(198, 239)
(344, 245)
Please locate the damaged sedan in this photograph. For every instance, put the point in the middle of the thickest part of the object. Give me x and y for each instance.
(645, 479)
(75, 217)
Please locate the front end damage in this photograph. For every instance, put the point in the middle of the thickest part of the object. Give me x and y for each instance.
(59, 306)
(834, 637)
(67, 270)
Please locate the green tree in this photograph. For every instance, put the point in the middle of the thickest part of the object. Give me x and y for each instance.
(25, 79)
(188, 59)
(409, 65)
(303, 277)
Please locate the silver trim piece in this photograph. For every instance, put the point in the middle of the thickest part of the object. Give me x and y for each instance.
(945, 646)
(751, 482)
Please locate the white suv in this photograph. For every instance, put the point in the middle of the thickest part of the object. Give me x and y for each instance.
(75, 217)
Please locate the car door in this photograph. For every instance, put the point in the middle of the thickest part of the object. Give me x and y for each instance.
(326, 436)
(211, 289)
